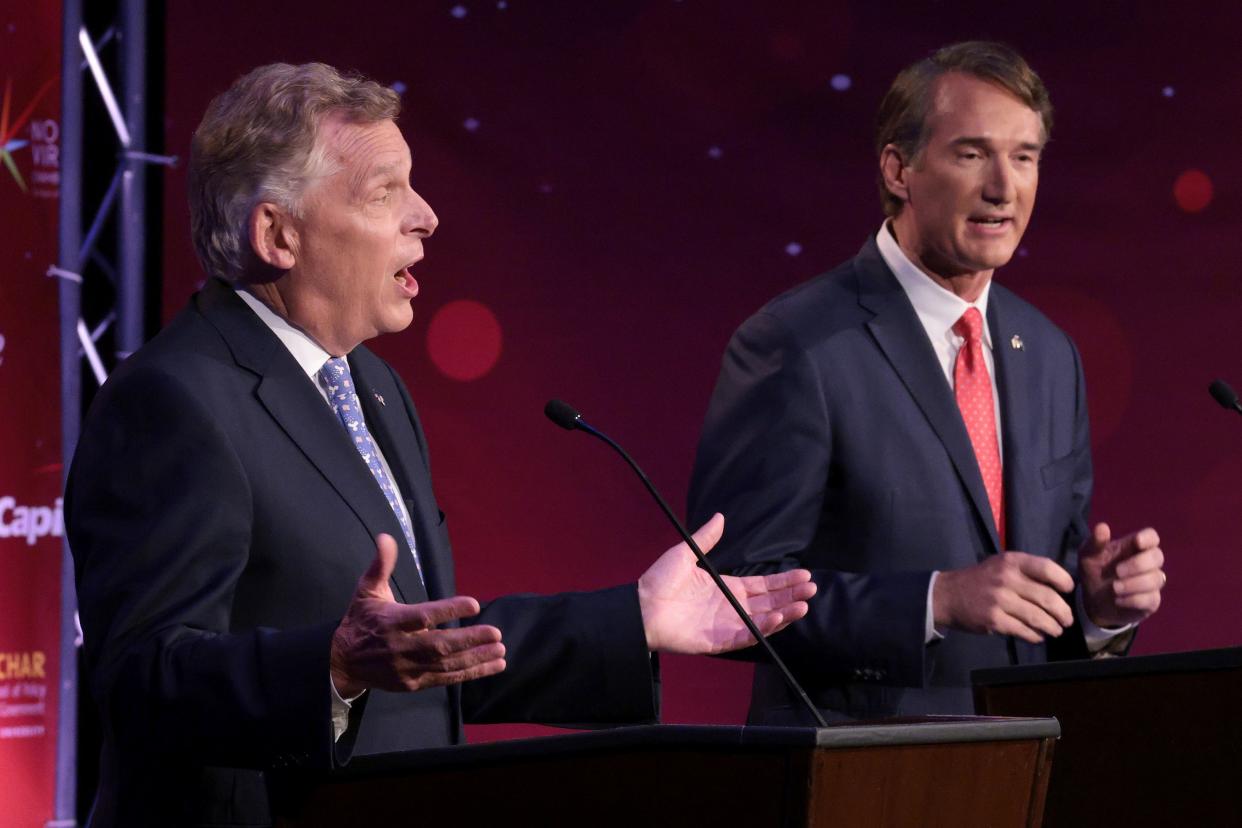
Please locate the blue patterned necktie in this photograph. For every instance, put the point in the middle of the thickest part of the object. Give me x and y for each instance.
(335, 379)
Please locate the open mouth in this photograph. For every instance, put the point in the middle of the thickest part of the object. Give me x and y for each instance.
(991, 222)
(407, 283)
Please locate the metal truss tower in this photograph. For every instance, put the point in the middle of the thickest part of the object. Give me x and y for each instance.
(102, 270)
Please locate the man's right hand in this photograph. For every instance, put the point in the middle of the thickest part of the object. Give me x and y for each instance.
(1013, 593)
(391, 646)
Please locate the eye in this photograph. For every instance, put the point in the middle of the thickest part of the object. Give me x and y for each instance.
(970, 155)
(382, 196)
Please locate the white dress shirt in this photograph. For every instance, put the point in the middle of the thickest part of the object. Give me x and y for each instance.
(311, 357)
(939, 309)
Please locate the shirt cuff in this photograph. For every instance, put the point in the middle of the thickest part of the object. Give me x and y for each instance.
(340, 711)
(1097, 637)
(930, 633)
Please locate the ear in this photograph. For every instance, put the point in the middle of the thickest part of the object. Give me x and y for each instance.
(272, 235)
(894, 171)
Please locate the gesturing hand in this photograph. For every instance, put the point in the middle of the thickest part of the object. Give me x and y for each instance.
(1121, 579)
(684, 612)
(1013, 593)
(387, 645)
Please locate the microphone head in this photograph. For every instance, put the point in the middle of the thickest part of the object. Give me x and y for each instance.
(563, 414)
(1223, 394)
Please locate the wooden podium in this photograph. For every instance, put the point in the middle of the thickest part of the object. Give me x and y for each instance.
(958, 771)
(1146, 740)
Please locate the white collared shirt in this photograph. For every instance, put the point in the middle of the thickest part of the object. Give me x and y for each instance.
(938, 309)
(311, 358)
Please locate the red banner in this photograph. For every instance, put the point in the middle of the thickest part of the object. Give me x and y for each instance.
(31, 526)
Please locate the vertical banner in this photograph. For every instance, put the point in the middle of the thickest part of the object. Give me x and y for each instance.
(31, 526)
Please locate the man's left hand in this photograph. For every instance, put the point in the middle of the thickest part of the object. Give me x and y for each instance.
(1121, 579)
(684, 612)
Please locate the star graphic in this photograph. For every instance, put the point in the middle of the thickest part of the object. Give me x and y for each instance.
(8, 130)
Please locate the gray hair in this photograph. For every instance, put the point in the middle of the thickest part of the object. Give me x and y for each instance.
(259, 141)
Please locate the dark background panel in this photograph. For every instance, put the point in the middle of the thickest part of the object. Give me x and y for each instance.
(620, 184)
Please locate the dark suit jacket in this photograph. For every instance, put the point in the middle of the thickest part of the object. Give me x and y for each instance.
(219, 518)
(834, 442)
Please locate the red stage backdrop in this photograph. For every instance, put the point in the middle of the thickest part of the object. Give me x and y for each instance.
(31, 526)
(620, 184)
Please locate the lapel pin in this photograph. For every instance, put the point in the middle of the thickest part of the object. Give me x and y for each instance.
(1016, 343)
(380, 399)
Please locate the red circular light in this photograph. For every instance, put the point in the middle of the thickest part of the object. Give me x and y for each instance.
(464, 340)
(1193, 191)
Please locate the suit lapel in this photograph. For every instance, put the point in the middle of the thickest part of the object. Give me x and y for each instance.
(1013, 381)
(900, 336)
(388, 420)
(296, 405)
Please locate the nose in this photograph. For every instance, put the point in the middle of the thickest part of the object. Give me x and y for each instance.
(421, 220)
(999, 186)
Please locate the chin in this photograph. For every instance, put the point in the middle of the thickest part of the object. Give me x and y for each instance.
(397, 322)
(990, 258)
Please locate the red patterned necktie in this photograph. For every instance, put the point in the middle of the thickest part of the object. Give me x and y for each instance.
(973, 388)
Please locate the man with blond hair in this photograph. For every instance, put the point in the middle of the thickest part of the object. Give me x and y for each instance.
(236, 475)
(916, 435)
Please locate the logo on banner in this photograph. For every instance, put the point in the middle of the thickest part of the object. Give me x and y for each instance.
(31, 522)
(23, 692)
(41, 136)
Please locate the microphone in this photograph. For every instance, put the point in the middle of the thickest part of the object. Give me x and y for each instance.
(563, 414)
(1221, 392)
(568, 417)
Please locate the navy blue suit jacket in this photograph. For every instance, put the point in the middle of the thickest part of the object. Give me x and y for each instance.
(219, 518)
(833, 441)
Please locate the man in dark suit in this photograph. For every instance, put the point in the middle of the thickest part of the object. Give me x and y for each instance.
(237, 474)
(916, 435)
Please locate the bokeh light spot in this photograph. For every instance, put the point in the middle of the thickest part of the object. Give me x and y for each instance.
(793, 248)
(841, 82)
(459, 11)
(471, 124)
(715, 153)
(1193, 191)
(464, 340)
(1168, 91)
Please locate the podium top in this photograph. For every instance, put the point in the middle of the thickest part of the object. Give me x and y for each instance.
(927, 730)
(1229, 658)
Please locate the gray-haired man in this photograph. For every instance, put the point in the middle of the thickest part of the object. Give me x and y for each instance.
(237, 474)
